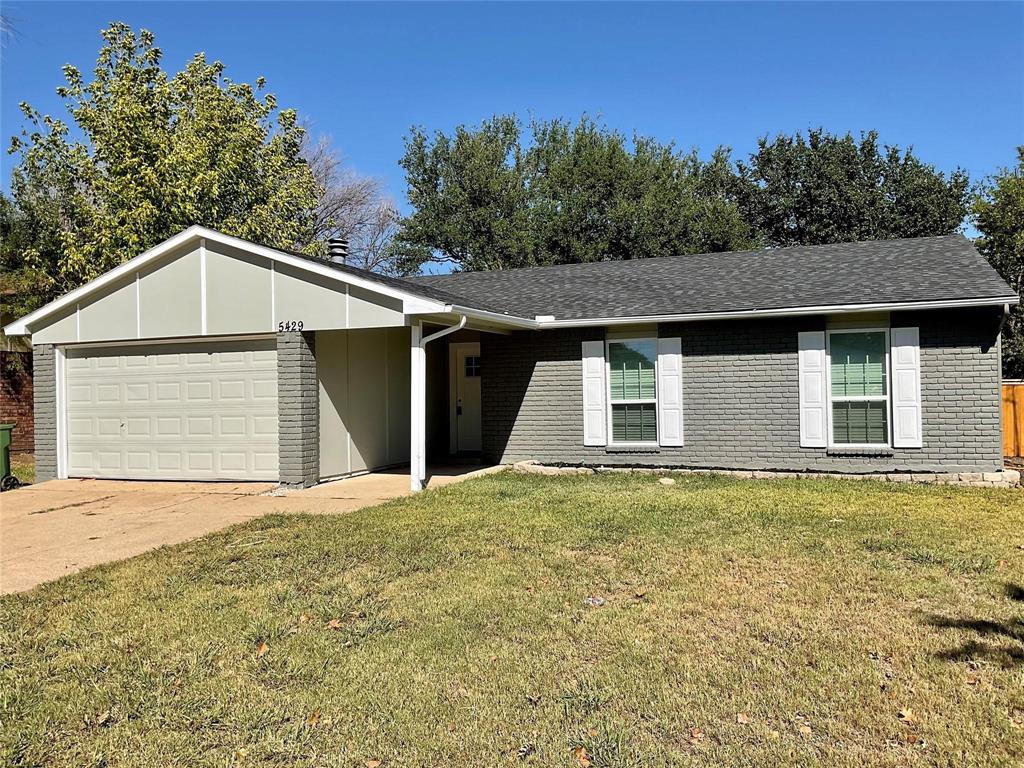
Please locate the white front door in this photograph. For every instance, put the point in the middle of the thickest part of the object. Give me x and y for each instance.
(465, 395)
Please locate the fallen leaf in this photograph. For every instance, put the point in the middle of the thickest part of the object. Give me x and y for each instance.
(908, 717)
(314, 717)
(593, 602)
(742, 718)
(774, 734)
(640, 594)
(372, 764)
(525, 751)
(261, 649)
(494, 657)
(696, 736)
(104, 718)
(304, 618)
(334, 624)
(972, 679)
(805, 730)
(581, 755)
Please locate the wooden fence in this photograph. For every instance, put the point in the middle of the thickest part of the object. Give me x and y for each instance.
(1013, 418)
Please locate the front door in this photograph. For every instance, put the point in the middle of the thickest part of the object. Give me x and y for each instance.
(465, 397)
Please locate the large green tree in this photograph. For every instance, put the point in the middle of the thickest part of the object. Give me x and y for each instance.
(496, 197)
(999, 216)
(827, 188)
(145, 155)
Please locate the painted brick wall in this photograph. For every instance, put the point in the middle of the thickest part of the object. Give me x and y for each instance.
(298, 406)
(16, 399)
(45, 395)
(741, 399)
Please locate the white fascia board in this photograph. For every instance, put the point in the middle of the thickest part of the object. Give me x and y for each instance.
(834, 309)
(21, 327)
(498, 318)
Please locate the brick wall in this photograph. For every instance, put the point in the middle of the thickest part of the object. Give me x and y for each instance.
(45, 401)
(741, 398)
(16, 406)
(298, 405)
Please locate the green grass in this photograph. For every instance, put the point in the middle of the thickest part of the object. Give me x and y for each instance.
(23, 467)
(817, 610)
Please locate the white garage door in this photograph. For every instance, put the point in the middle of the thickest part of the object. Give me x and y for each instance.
(200, 411)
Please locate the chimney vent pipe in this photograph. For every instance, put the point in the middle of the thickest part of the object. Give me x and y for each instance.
(337, 250)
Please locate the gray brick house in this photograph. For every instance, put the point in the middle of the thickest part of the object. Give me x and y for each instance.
(209, 357)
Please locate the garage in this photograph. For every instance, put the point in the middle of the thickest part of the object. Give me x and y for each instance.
(197, 411)
(208, 357)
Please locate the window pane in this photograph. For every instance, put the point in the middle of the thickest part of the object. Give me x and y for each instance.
(631, 369)
(634, 423)
(860, 422)
(858, 364)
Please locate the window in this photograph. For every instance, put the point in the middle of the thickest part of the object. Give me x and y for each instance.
(632, 391)
(472, 366)
(858, 380)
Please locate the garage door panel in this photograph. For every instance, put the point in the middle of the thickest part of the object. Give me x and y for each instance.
(168, 412)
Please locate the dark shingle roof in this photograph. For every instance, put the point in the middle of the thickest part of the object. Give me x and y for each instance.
(873, 272)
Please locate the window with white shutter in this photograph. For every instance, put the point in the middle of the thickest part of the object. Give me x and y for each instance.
(905, 358)
(670, 391)
(633, 391)
(594, 384)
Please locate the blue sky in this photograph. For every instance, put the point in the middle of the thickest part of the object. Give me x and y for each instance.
(946, 78)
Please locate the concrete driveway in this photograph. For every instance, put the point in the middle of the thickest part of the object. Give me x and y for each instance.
(62, 526)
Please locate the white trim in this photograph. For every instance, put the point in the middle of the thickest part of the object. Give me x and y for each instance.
(633, 401)
(417, 303)
(171, 340)
(202, 286)
(273, 296)
(61, 427)
(138, 305)
(78, 322)
(886, 398)
(836, 309)
(453, 390)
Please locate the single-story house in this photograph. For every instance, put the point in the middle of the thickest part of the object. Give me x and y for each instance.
(209, 357)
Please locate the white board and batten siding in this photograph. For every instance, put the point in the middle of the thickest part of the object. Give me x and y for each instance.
(173, 411)
(216, 290)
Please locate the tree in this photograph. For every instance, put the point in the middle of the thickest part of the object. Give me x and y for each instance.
(352, 207)
(492, 198)
(829, 189)
(998, 213)
(156, 154)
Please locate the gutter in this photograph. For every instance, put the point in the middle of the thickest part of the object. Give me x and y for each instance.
(543, 322)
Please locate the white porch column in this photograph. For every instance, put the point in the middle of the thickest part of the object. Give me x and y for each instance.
(417, 409)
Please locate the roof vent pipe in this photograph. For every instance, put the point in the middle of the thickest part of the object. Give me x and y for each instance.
(337, 250)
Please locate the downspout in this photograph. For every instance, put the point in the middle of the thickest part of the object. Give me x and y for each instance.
(418, 384)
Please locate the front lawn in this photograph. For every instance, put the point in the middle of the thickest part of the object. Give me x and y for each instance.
(528, 620)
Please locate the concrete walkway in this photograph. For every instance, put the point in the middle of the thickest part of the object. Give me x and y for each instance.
(62, 526)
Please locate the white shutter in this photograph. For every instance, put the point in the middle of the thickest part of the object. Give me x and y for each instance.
(905, 364)
(670, 391)
(813, 390)
(595, 417)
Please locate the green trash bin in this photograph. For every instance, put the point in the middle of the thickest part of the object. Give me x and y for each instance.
(7, 480)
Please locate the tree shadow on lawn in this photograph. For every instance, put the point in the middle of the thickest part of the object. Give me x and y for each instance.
(990, 642)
